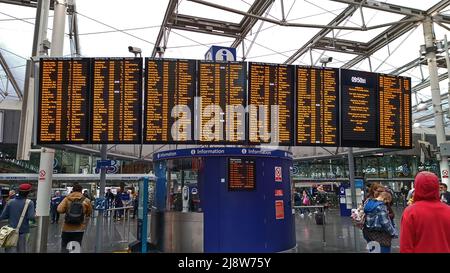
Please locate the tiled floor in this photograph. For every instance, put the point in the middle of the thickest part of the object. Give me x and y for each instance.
(340, 235)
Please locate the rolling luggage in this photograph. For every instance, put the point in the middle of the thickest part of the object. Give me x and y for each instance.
(319, 217)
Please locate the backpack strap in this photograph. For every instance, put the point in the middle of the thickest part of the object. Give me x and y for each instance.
(25, 208)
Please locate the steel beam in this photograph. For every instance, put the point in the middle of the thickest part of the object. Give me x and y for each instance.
(10, 76)
(393, 33)
(171, 6)
(385, 7)
(402, 69)
(11, 105)
(25, 3)
(247, 23)
(73, 28)
(340, 45)
(204, 25)
(322, 33)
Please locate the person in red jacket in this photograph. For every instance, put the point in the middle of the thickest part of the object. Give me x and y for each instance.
(425, 225)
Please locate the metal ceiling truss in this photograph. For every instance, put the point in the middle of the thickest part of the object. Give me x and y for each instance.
(174, 20)
(394, 31)
(348, 12)
(10, 76)
(25, 3)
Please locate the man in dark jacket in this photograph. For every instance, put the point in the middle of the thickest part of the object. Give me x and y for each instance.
(425, 224)
(445, 195)
(13, 211)
(56, 200)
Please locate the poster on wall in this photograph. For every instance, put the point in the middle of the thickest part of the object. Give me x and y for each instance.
(279, 209)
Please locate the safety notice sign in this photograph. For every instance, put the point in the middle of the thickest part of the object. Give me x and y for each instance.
(41, 175)
(279, 209)
(278, 174)
(444, 173)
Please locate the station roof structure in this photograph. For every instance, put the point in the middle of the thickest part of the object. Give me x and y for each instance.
(379, 36)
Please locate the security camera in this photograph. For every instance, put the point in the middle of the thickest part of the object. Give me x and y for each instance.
(135, 50)
(160, 49)
(325, 60)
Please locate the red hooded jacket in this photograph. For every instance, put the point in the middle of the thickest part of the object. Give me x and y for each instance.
(425, 225)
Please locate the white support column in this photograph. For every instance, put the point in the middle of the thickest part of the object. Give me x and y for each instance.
(43, 198)
(48, 155)
(430, 40)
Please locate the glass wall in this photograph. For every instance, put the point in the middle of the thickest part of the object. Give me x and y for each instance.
(387, 166)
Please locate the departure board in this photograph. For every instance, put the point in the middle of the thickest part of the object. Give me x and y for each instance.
(359, 109)
(317, 96)
(394, 111)
(116, 100)
(169, 101)
(222, 94)
(271, 87)
(241, 174)
(63, 101)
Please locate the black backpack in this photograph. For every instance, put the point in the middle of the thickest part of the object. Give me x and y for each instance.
(75, 213)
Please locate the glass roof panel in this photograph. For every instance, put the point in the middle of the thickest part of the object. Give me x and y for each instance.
(199, 10)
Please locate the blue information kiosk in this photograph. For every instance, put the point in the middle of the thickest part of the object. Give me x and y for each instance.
(242, 200)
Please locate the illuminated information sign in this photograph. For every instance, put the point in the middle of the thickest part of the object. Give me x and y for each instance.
(394, 111)
(358, 112)
(241, 174)
(116, 100)
(222, 94)
(271, 88)
(63, 101)
(169, 101)
(317, 106)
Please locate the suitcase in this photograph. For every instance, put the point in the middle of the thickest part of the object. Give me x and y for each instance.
(319, 217)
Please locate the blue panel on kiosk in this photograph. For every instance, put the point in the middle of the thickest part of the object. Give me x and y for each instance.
(234, 217)
(222, 152)
(161, 180)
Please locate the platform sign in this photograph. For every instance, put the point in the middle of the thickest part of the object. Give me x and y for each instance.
(279, 209)
(63, 106)
(271, 104)
(317, 106)
(100, 203)
(358, 109)
(116, 101)
(169, 92)
(394, 112)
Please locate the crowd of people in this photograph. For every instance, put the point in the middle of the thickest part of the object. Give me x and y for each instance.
(77, 208)
(425, 223)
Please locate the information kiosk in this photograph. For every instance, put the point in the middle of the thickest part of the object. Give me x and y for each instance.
(239, 200)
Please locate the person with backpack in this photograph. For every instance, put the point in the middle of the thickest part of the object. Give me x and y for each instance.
(77, 209)
(19, 211)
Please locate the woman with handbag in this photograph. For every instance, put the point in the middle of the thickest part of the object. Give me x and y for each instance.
(378, 226)
(19, 211)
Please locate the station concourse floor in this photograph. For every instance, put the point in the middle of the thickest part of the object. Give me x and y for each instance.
(340, 235)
